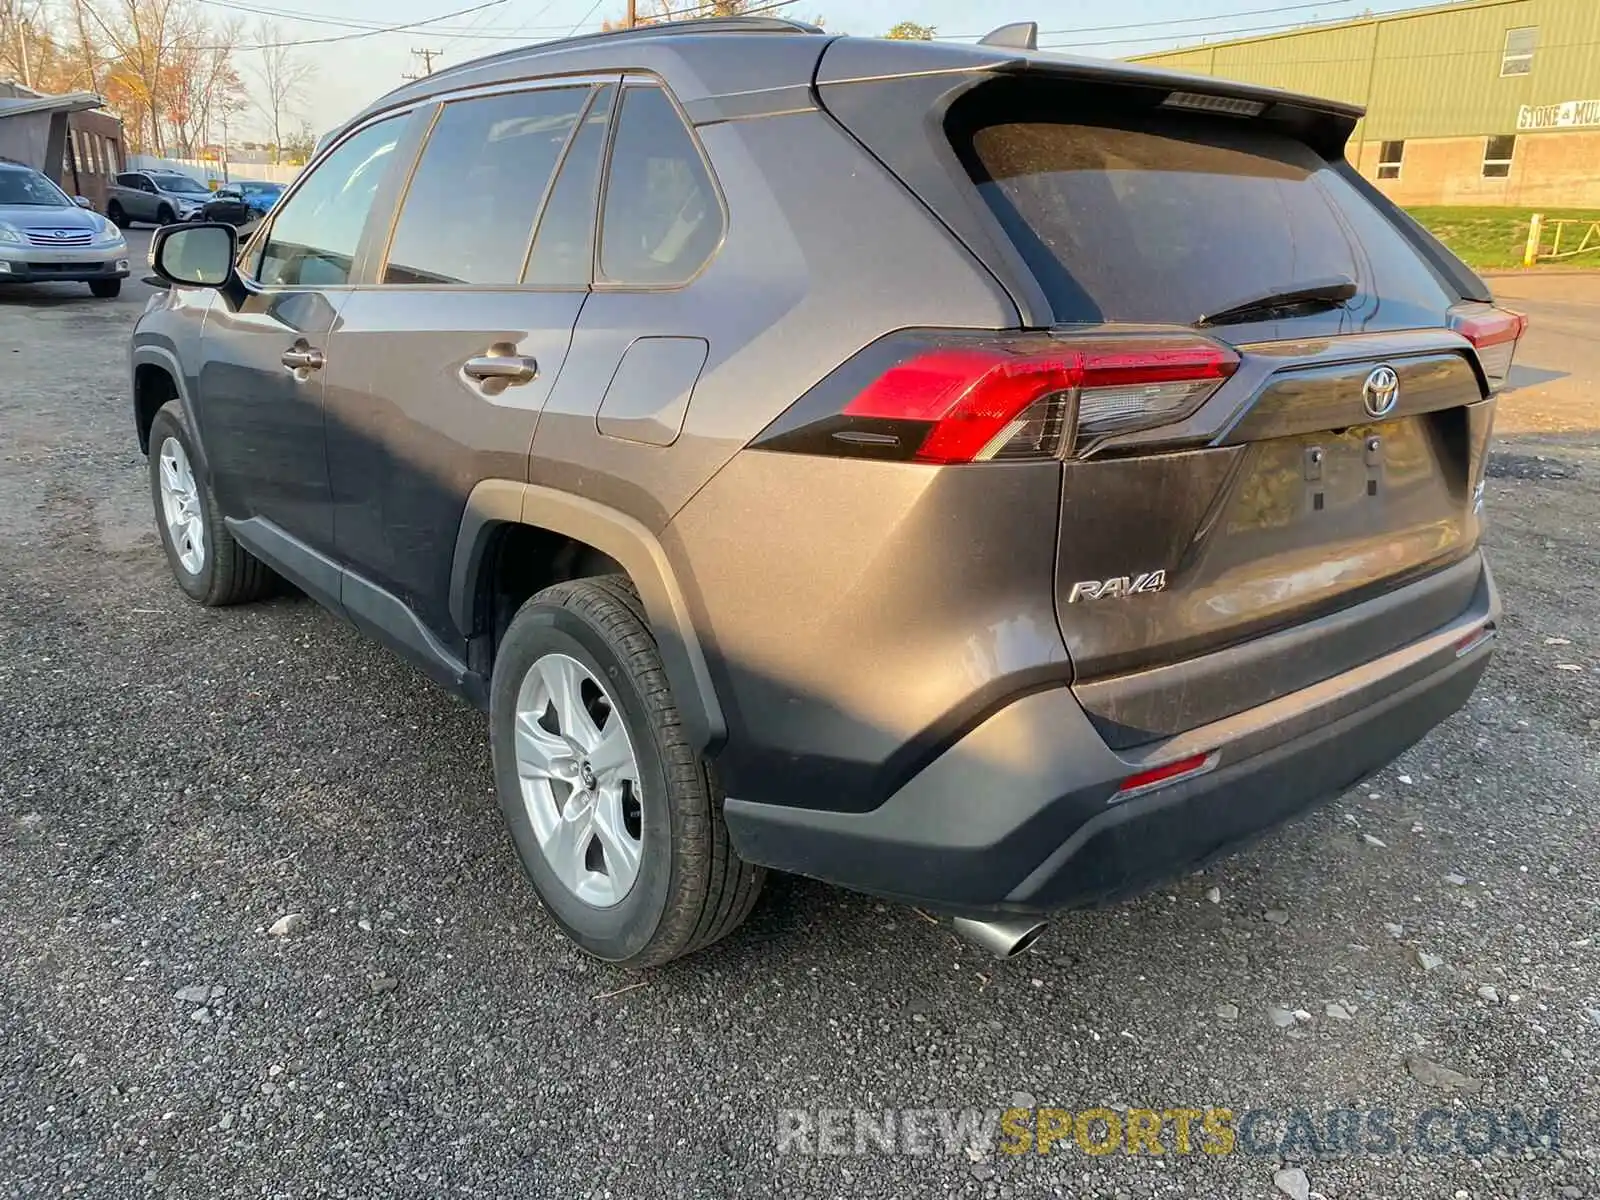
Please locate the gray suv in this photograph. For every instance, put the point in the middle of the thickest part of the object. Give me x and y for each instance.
(156, 197)
(979, 477)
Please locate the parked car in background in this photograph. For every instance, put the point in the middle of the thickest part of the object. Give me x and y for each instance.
(226, 206)
(48, 237)
(241, 202)
(155, 197)
(1103, 492)
(259, 194)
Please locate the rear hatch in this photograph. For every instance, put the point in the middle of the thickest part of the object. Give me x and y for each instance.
(1273, 476)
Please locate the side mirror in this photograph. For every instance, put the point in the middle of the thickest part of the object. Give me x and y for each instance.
(199, 255)
(83, 202)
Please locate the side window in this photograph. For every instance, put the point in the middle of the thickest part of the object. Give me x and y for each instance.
(469, 210)
(662, 220)
(314, 235)
(563, 248)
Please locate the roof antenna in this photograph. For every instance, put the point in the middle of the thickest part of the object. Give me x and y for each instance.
(1021, 35)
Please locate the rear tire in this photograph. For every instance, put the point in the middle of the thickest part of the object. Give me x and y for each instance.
(211, 568)
(106, 289)
(116, 216)
(686, 888)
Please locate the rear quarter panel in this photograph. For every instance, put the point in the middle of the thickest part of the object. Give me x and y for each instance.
(824, 252)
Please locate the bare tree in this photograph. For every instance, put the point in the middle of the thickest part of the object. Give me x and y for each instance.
(281, 75)
(200, 83)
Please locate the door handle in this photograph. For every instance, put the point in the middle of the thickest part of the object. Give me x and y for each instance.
(303, 358)
(505, 369)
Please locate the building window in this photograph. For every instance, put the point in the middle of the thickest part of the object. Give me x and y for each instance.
(1389, 157)
(1517, 57)
(1497, 152)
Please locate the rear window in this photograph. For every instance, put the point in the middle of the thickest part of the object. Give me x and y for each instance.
(1154, 216)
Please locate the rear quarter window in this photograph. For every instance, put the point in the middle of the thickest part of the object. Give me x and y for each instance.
(1154, 216)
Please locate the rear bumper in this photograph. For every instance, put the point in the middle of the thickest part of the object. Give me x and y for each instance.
(1022, 815)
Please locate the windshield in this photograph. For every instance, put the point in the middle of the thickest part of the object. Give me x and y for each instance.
(30, 189)
(179, 183)
(261, 189)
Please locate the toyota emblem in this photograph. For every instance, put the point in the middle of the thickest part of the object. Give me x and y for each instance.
(63, 233)
(1381, 392)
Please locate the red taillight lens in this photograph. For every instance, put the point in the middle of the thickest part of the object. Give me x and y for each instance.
(1495, 333)
(968, 398)
(960, 399)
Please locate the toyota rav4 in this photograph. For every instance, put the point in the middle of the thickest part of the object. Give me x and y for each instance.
(985, 478)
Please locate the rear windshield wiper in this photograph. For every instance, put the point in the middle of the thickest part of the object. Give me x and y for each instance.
(1305, 297)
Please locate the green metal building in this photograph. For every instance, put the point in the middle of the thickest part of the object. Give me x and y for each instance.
(1477, 102)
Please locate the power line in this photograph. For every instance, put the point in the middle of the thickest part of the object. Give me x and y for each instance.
(1279, 27)
(1249, 12)
(583, 20)
(364, 33)
(1491, 53)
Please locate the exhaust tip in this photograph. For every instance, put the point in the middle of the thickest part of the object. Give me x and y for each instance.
(1004, 938)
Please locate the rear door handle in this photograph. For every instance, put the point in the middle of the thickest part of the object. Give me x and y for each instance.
(505, 369)
(303, 358)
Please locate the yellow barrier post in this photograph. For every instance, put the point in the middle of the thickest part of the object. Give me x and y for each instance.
(1530, 253)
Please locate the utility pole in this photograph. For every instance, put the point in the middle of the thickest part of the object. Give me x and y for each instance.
(22, 47)
(427, 56)
(633, 13)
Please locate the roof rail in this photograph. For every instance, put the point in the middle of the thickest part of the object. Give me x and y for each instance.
(653, 30)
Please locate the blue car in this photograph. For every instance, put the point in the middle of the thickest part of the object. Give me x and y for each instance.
(259, 195)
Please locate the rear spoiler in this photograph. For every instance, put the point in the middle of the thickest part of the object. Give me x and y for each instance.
(1325, 125)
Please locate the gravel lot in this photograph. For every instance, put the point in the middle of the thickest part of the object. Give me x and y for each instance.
(175, 780)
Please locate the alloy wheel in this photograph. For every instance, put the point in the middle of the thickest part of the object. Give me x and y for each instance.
(180, 506)
(579, 779)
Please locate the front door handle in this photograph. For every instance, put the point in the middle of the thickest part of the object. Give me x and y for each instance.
(303, 358)
(504, 369)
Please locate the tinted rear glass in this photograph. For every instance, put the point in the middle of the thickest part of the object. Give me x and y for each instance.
(1152, 216)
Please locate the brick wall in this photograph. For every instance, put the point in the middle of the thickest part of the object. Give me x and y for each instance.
(1555, 170)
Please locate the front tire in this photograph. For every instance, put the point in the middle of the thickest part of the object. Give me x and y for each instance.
(165, 215)
(105, 289)
(210, 567)
(616, 818)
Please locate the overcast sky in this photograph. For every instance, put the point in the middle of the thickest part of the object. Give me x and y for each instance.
(352, 72)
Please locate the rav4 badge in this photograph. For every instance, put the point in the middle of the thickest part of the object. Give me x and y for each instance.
(1119, 585)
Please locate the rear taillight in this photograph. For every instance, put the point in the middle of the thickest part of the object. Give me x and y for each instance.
(961, 398)
(1494, 332)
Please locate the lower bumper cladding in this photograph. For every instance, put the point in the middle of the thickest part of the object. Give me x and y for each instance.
(1031, 812)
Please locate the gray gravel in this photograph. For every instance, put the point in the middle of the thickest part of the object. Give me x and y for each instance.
(175, 782)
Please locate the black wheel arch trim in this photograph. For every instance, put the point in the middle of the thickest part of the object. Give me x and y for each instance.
(149, 355)
(496, 502)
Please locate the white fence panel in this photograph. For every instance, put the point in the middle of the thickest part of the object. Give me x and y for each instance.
(208, 171)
